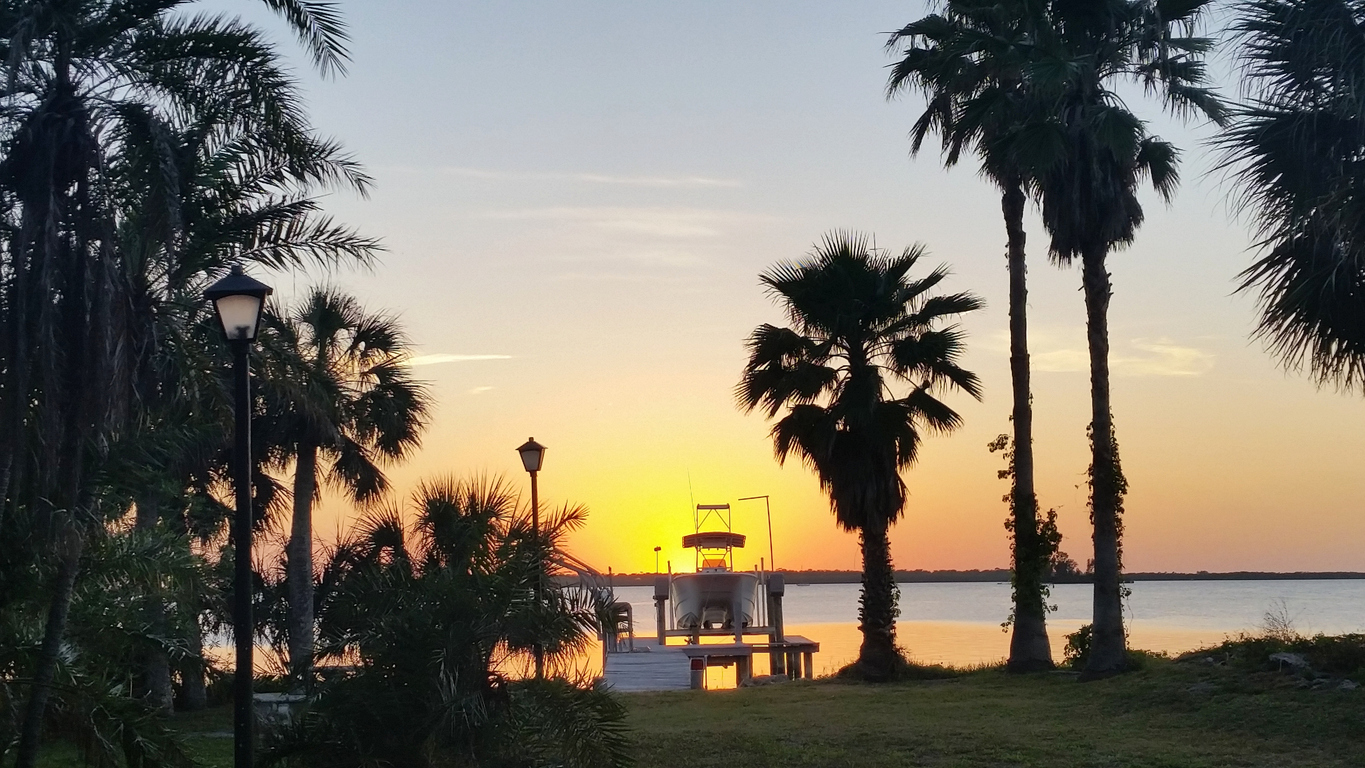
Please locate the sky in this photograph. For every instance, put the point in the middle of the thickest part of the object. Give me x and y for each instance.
(577, 200)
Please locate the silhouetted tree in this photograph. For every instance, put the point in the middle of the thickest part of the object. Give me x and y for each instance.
(1297, 147)
(857, 373)
(344, 401)
(970, 60)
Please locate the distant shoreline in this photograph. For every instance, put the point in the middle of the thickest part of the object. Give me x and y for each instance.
(794, 578)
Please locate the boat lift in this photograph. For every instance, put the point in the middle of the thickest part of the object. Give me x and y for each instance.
(790, 655)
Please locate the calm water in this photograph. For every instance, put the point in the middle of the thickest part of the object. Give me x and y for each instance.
(959, 624)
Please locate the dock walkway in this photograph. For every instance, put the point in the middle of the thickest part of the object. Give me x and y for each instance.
(652, 667)
(649, 668)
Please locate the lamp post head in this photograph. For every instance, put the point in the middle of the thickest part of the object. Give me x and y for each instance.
(532, 455)
(656, 549)
(238, 300)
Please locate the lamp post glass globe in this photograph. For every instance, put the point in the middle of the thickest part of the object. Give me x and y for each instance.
(238, 300)
(532, 455)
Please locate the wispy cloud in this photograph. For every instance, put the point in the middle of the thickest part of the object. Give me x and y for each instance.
(588, 178)
(1137, 357)
(443, 357)
(1162, 357)
(1060, 361)
(480, 390)
(669, 223)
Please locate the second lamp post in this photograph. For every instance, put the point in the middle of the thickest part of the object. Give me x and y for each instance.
(532, 455)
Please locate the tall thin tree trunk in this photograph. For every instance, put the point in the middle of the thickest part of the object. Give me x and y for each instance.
(300, 566)
(1108, 651)
(1030, 650)
(69, 546)
(877, 658)
(156, 665)
(194, 694)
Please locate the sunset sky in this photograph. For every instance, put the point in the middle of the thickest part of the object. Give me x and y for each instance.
(577, 199)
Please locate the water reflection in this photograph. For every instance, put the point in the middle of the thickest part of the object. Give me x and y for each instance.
(959, 624)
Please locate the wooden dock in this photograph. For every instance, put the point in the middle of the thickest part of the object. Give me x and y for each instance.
(649, 668)
(652, 667)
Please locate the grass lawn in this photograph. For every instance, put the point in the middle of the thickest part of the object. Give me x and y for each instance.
(1169, 715)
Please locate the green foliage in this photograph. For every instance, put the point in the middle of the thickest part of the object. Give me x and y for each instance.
(432, 609)
(1327, 655)
(1119, 484)
(1077, 651)
(97, 702)
(1027, 574)
(903, 670)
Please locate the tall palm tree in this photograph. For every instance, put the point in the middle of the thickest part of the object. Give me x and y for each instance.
(970, 62)
(345, 402)
(857, 373)
(1090, 206)
(231, 180)
(75, 71)
(1297, 147)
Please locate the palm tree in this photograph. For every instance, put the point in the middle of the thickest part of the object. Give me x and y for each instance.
(1297, 148)
(428, 604)
(196, 195)
(1103, 152)
(857, 372)
(970, 61)
(344, 402)
(75, 73)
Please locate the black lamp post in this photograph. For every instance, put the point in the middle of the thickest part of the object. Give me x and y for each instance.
(656, 559)
(238, 300)
(532, 456)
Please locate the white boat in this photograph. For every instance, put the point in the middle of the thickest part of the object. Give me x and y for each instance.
(716, 596)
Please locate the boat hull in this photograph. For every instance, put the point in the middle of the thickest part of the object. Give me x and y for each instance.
(710, 600)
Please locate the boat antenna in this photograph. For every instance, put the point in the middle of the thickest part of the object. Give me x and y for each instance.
(772, 560)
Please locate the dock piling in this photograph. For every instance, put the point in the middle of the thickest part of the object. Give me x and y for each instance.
(776, 589)
(660, 598)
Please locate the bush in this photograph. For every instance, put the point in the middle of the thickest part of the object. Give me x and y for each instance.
(431, 610)
(1077, 651)
(902, 669)
(1333, 655)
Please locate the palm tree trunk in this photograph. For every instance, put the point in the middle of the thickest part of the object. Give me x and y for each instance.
(1030, 650)
(877, 658)
(156, 665)
(193, 692)
(1108, 651)
(300, 566)
(69, 546)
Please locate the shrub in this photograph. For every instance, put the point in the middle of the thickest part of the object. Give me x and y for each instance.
(1077, 651)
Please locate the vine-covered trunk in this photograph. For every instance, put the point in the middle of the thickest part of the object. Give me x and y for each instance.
(300, 565)
(877, 658)
(1030, 650)
(1108, 652)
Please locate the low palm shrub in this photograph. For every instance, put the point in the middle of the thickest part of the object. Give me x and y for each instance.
(428, 614)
